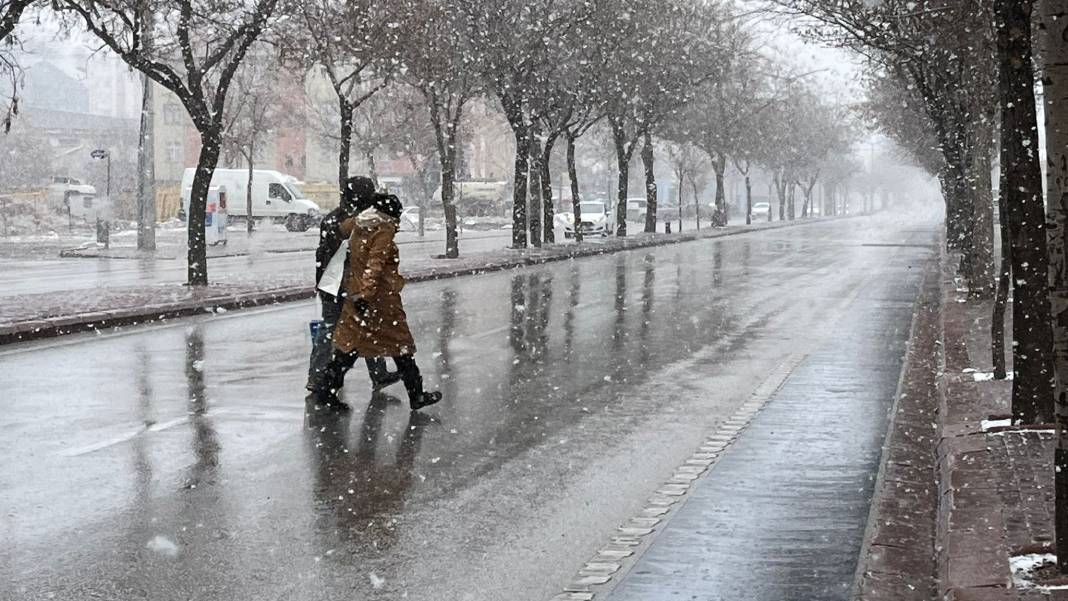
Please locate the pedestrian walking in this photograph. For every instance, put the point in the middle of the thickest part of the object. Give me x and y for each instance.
(335, 227)
(373, 322)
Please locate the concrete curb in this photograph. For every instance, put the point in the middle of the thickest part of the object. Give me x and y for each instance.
(28, 330)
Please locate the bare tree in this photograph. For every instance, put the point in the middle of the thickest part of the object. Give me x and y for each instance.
(195, 50)
(11, 12)
(255, 111)
(515, 42)
(443, 64)
(688, 164)
(1053, 24)
(355, 45)
(662, 53)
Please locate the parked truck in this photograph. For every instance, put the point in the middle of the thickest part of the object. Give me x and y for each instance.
(275, 196)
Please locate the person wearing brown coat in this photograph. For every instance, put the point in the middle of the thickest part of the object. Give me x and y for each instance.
(356, 197)
(373, 322)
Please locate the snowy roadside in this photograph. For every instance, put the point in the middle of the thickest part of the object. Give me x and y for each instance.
(970, 509)
(34, 316)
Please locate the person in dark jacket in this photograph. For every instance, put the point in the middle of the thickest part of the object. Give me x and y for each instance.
(372, 321)
(358, 195)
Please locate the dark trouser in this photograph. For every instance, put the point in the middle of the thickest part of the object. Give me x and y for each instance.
(340, 363)
(323, 349)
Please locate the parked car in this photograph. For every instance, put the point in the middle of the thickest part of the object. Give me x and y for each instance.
(636, 209)
(593, 219)
(761, 210)
(275, 196)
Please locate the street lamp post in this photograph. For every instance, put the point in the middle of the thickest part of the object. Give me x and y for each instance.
(103, 233)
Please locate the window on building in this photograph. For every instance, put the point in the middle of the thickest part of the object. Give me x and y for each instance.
(172, 114)
(174, 152)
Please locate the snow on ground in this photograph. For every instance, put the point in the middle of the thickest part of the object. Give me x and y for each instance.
(989, 424)
(1023, 568)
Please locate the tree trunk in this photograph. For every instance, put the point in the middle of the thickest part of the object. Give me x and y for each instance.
(623, 167)
(534, 212)
(548, 214)
(806, 208)
(197, 254)
(650, 185)
(1033, 384)
(1053, 26)
(780, 191)
(572, 175)
(1001, 297)
(146, 172)
(682, 183)
(749, 199)
(448, 202)
(696, 200)
(771, 194)
(519, 186)
(345, 148)
(248, 193)
(719, 165)
(982, 284)
(372, 168)
(791, 197)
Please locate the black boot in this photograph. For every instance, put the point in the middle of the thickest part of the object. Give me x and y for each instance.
(326, 399)
(381, 377)
(425, 399)
(413, 382)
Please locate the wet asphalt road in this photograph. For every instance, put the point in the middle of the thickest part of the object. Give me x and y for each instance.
(177, 461)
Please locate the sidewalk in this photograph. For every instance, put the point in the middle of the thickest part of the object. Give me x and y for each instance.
(171, 243)
(34, 316)
(992, 518)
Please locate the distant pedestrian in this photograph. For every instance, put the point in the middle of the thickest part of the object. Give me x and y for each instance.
(373, 322)
(335, 227)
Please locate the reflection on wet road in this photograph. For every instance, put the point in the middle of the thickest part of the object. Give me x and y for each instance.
(177, 462)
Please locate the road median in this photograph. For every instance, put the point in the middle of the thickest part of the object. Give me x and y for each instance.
(36, 316)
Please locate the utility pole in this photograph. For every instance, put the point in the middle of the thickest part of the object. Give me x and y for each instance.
(146, 171)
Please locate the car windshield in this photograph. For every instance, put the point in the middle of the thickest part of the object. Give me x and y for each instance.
(591, 207)
(295, 191)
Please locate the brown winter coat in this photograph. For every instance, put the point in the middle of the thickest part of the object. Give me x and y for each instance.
(372, 275)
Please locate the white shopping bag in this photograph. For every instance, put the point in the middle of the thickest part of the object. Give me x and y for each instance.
(330, 283)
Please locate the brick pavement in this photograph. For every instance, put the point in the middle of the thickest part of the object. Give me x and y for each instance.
(995, 493)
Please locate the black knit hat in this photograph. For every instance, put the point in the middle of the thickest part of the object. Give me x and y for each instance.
(388, 204)
(359, 193)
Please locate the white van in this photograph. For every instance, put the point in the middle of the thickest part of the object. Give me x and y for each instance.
(274, 196)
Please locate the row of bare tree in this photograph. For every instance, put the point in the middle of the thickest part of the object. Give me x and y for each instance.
(684, 71)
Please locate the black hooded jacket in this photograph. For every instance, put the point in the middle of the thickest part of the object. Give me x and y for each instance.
(330, 240)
